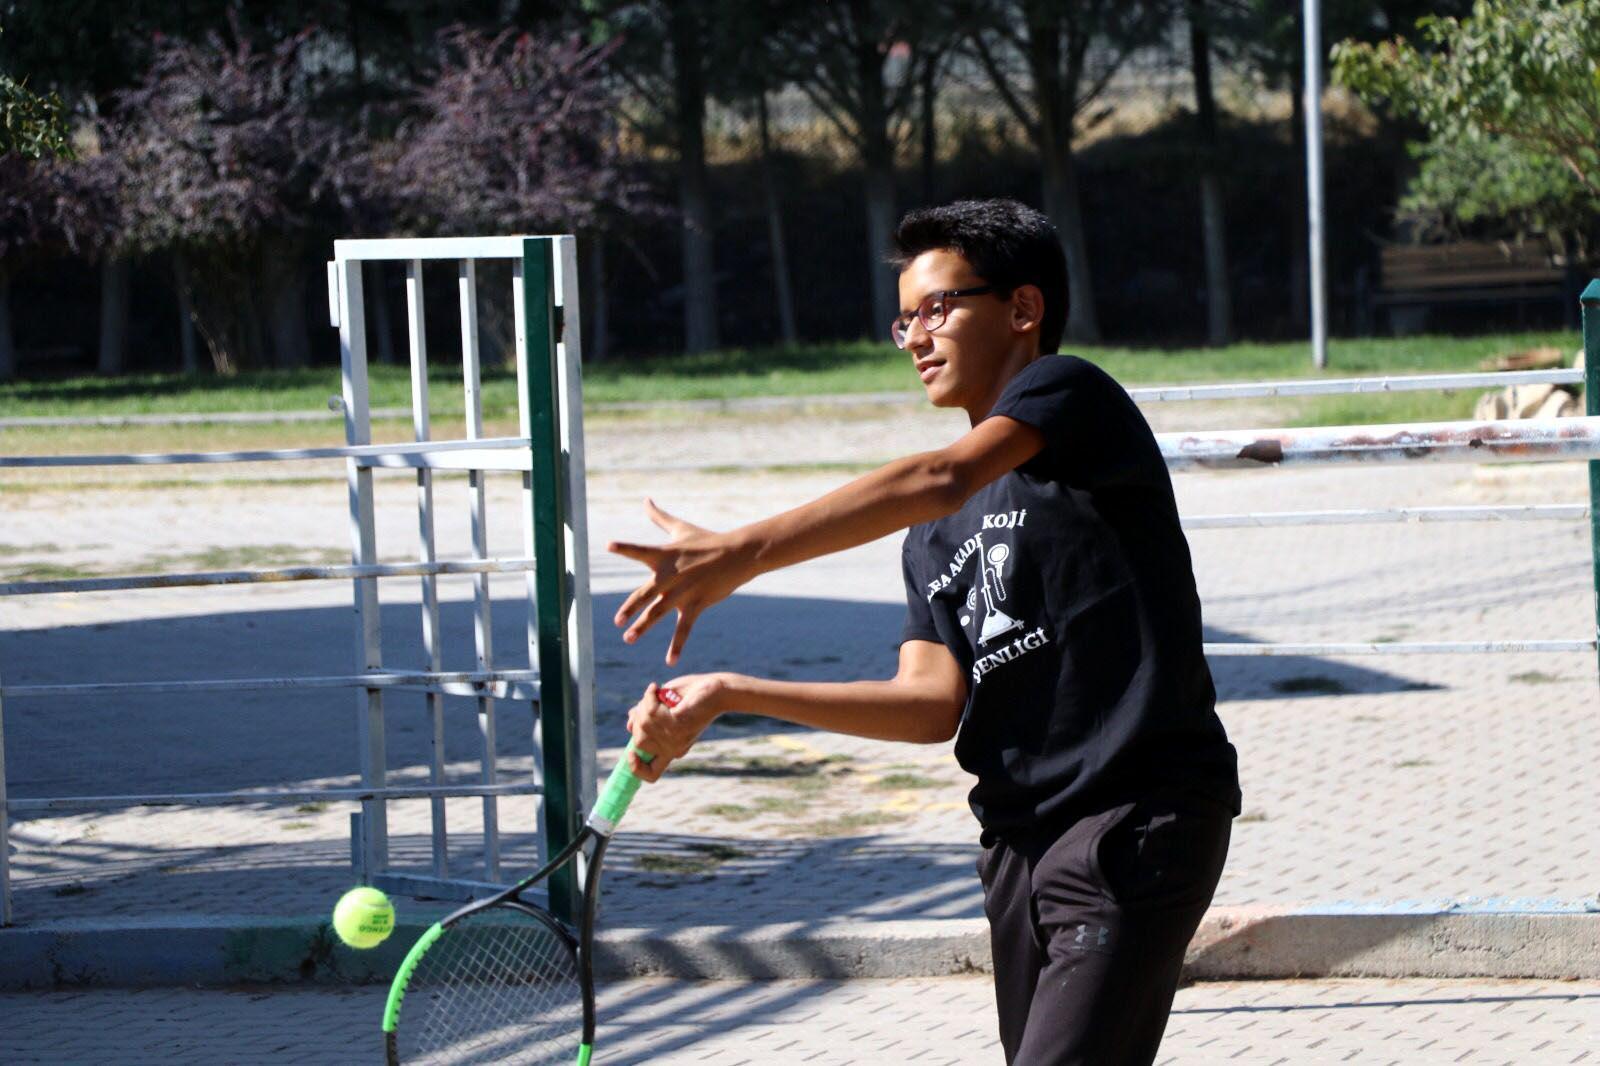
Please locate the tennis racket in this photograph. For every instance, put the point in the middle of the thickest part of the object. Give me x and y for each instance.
(502, 980)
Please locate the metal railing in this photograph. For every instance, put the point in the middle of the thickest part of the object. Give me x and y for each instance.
(548, 452)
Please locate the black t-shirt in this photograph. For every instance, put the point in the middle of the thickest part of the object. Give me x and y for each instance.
(1066, 592)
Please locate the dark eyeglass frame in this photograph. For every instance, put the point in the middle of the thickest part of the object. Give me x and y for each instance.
(900, 328)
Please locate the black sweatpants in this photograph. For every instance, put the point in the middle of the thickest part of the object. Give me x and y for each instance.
(1088, 928)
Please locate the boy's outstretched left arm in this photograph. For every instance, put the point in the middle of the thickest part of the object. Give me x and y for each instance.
(699, 567)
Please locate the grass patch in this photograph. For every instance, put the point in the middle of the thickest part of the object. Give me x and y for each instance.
(7, 550)
(906, 780)
(704, 859)
(743, 812)
(48, 572)
(249, 556)
(297, 825)
(76, 888)
(804, 370)
(1412, 763)
(1314, 684)
(1536, 677)
(316, 807)
(846, 823)
(1252, 816)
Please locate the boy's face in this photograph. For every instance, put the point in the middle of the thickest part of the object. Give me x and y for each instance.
(983, 341)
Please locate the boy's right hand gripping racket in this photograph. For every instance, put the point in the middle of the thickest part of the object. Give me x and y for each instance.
(502, 980)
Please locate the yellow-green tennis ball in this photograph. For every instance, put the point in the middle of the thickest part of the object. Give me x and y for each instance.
(363, 917)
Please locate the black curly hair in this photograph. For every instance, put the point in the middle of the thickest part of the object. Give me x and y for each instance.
(1008, 244)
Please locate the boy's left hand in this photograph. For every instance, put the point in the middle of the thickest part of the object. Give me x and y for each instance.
(666, 732)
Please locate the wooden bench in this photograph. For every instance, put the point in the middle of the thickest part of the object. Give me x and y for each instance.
(1418, 276)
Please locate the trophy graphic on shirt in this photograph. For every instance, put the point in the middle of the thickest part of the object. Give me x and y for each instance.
(992, 582)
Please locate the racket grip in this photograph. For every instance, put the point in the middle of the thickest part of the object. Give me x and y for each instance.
(623, 782)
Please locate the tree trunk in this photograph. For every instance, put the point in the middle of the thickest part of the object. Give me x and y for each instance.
(8, 340)
(1219, 303)
(291, 343)
(597, 341)
(187, 341)
(382, 321)
(1065, 208)
(1055, 93)
(1299, 239)
(930, 132)
(114, 277)
(878, 156)
(787, 331)
(694, 198)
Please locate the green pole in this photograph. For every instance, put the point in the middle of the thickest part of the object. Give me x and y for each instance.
(552, 574)
(1591, 405)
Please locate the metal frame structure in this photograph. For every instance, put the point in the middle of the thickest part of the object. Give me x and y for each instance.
(548, 452)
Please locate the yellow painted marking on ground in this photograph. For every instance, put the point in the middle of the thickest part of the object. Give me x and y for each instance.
(910, 801)
(799, 747)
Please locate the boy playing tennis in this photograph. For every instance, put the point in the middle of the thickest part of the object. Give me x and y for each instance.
(1052, 629)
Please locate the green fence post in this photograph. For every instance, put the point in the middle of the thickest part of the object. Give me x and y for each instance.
(1591, 405)
(552, 574)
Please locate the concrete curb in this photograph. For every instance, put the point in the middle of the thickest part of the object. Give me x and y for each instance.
(1232, 943)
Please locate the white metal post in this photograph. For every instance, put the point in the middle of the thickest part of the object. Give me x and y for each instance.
(1312, 18)
(525, 429)
(364, 551)
(417, 342)
(580, 621)
(482, 602)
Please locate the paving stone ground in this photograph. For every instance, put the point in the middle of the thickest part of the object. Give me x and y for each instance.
(943, 1021)
(1373, 778)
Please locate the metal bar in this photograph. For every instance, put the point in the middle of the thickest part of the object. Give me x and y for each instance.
(1591, 402)
(222, 799)
(580, 615)
(373, 454)
(264, 577)
(5, 826)
(1519, 513)
(187, 418)
(522, 683)
(1460, 442)
(364, 552)
(1354, 386)
(1451, 647)
(482, 623)
(422, 886)
(430, 248)
(417, 342)
(546, 516)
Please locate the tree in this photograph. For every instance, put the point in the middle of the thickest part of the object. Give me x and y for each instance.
(31, 126)
(859, 62)
(1050, 61)
(670, 54)
(218, 151)
(1520, 71)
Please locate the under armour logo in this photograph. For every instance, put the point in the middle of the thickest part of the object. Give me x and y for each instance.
(1083, 935)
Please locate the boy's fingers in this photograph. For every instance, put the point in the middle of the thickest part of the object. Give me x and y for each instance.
(680, 636)
(651, 616)
(639, 553)
(636, 599)
(646, 771)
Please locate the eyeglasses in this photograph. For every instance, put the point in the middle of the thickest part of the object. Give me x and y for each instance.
(931, 312)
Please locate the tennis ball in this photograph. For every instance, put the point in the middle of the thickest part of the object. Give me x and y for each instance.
(363, 917)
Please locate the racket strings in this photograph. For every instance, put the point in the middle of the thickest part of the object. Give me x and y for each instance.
(494, 990)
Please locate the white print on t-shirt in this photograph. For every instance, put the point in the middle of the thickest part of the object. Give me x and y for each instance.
(992, 583)
(1002, 520)
(1015, 650)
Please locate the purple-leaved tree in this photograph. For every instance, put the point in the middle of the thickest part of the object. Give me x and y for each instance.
(219, 151)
